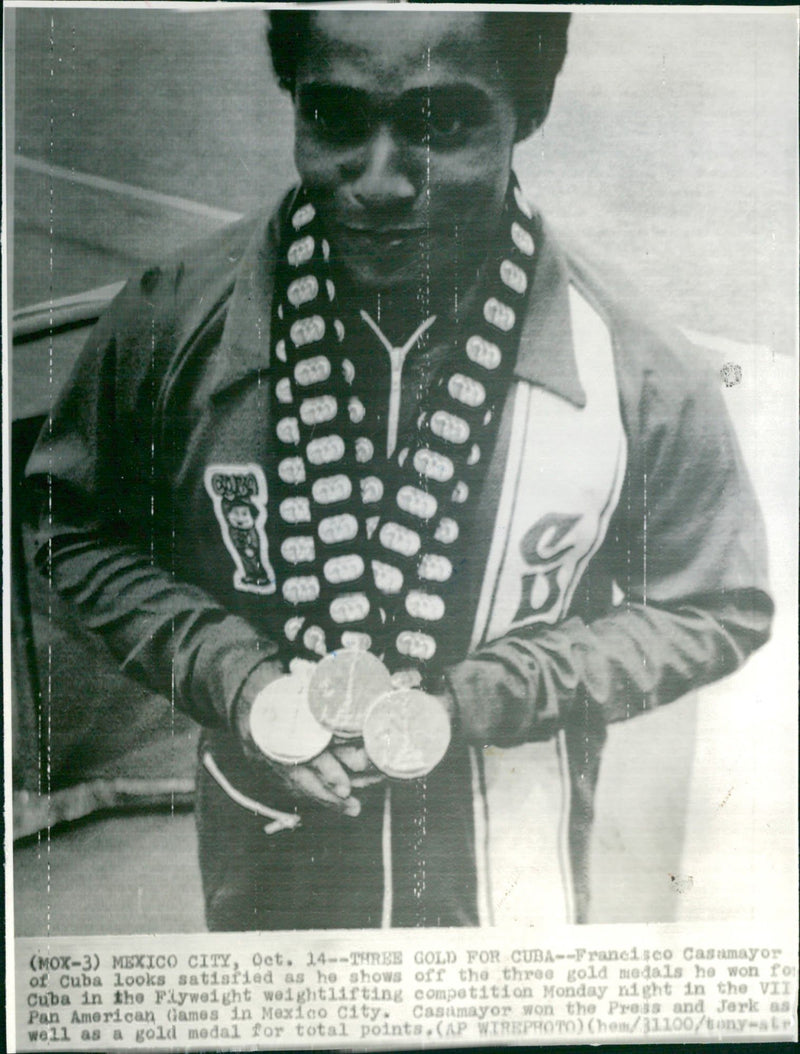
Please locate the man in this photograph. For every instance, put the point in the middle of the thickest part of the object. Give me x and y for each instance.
(398, 416)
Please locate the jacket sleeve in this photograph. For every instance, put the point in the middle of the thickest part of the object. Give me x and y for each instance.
(686, 552)
(91, 470)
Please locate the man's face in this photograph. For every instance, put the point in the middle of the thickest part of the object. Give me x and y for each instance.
(241, 517)
(404, 130)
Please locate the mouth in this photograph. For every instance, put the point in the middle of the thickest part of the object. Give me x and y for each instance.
(369, 229)
(384, 236)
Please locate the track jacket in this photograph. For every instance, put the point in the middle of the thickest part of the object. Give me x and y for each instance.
(616, 561)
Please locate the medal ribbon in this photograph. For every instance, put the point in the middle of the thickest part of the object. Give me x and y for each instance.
(369, 546)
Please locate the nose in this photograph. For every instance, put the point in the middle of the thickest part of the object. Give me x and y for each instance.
(381, 176)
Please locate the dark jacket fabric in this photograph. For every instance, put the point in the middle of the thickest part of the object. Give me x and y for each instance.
(674, 594)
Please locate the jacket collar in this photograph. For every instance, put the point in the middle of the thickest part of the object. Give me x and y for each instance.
(546, 355)
(244, 348)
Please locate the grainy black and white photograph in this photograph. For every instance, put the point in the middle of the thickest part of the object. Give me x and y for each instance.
(401, 494)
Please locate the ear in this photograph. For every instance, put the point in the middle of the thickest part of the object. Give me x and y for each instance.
(526, 126)
(533, 113)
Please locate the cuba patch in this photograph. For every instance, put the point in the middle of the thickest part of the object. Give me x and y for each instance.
(239, 496)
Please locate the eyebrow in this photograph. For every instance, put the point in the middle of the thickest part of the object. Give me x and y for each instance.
(346, 94)
(322, 89)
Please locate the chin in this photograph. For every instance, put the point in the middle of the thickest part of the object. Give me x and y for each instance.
(376, 280)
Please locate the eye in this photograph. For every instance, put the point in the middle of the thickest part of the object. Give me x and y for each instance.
(444, 119)
(336, 118)
(439, 127)
(447, 123)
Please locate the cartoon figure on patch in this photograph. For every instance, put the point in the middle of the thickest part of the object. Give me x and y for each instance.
(239, 494)
(241, 516)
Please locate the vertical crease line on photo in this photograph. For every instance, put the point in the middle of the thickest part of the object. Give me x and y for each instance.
(564, 859)
(585, 344)
(386, 853)
(506, 506)
(480, 813)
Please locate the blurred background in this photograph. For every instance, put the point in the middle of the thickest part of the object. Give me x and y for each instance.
(670, 148)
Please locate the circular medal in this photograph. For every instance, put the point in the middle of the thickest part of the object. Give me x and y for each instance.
(282, 725)
(342, 687)
(406, 733)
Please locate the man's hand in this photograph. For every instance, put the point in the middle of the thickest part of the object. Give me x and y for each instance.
(330, 778)
(324, 780)
(355, 759)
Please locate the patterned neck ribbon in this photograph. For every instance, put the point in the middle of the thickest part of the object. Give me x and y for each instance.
(368, 545)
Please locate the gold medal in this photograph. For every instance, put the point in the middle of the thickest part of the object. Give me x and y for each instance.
(282, 725)
(406, 733)
(343, 686)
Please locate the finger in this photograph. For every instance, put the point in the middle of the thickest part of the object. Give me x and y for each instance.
(359, 782)
(332, 774)
(305, 781)
(352, 757)
(352, 806)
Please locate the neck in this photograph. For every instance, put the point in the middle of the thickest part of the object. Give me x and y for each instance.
(398, 311)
